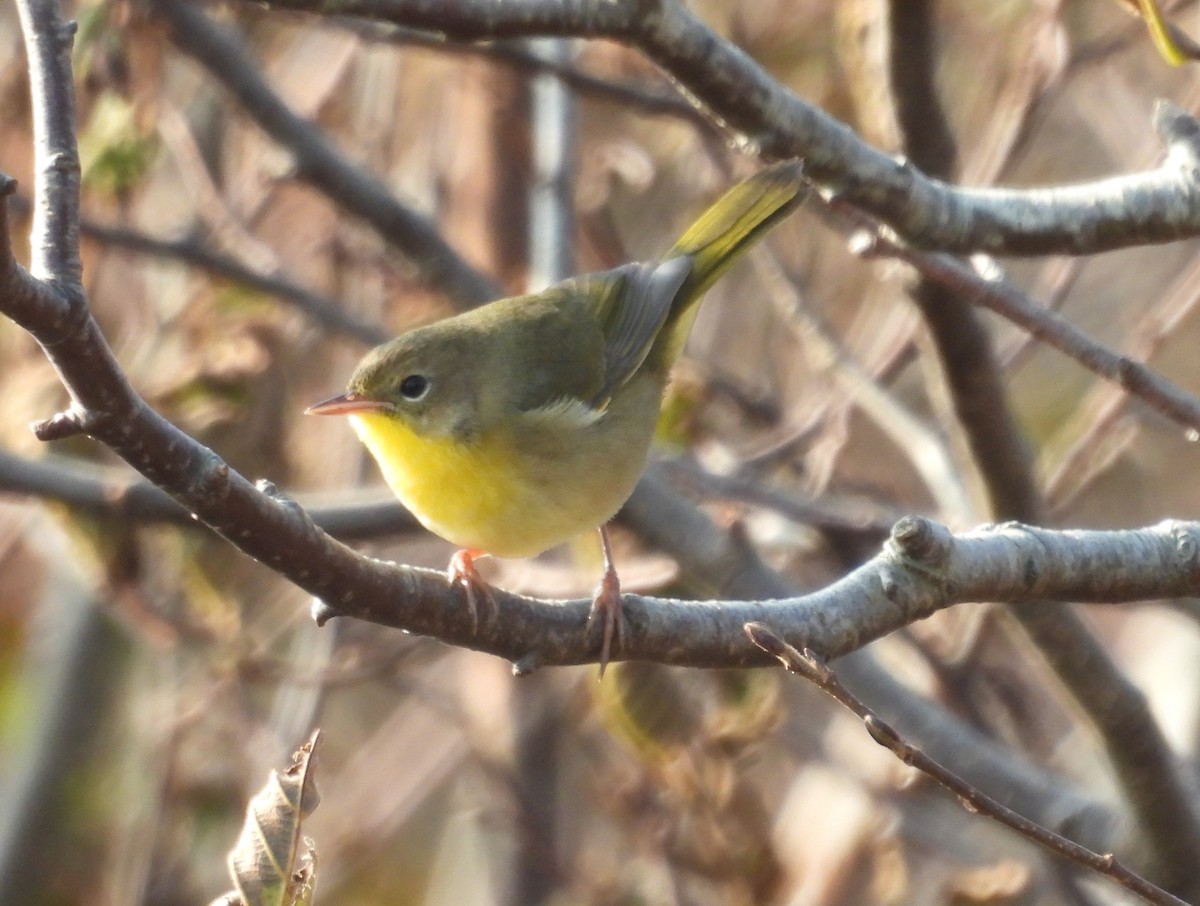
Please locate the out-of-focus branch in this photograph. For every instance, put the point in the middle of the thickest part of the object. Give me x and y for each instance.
(1157, 205)
(1006, 300)
(858, 529)
(537, 869)
(925, 450)
(317, 161)
(74, 681)
(111, 494)
(323, 310)
(665, 102)
(960, 338)
(814, 670)
(1109, 427)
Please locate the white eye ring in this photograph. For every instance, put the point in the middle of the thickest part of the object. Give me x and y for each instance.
(414, 387)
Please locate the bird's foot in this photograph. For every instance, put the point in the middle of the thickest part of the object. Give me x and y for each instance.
(462, 573)
(606, 606)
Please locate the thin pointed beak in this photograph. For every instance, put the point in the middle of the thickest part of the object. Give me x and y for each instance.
(346, 404)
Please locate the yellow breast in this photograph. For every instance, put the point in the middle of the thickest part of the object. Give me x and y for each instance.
(485, 495)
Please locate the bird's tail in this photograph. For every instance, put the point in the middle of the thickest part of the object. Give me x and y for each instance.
(725, 232)
(733, 224)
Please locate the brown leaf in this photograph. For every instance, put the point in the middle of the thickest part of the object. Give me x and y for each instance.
(264, 862)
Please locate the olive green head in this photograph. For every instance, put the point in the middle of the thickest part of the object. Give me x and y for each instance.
(428, 377)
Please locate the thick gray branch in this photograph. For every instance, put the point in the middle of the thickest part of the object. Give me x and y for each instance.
(922, 569)
(1157, 205)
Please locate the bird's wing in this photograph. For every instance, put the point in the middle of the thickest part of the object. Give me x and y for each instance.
(631, 306)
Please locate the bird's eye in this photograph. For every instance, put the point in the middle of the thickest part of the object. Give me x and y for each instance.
(414, 387)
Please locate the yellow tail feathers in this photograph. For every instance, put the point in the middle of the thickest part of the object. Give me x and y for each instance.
(734, 223)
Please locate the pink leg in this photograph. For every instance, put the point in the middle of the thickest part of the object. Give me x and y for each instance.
(462, 572)
(606, 604)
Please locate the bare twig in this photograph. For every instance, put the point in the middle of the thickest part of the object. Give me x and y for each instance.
(1108, 428)
(653, 102)
(921, 445)
(815, 670)
(826, 517)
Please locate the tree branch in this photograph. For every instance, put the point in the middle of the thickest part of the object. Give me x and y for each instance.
(55, 237)
(1157, 205)
(924, 569)
(649, 101)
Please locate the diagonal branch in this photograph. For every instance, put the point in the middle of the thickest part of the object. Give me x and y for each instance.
(322, 309)
(1158, 205)
(974, 800)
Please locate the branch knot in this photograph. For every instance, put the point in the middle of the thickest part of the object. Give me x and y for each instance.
(921, 540)
(72, 421)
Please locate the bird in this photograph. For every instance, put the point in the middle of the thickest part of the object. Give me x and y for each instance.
(520, 424)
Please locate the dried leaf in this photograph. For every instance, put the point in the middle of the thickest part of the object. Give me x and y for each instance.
(266, 864)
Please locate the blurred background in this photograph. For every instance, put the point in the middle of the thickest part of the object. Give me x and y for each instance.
(150, 675)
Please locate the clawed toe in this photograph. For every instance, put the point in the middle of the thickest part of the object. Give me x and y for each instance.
(462, 572)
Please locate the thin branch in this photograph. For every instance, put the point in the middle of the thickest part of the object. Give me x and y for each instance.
(1107, 428)
(813, 669)
(925, 450)
(845, 523)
